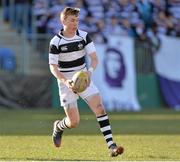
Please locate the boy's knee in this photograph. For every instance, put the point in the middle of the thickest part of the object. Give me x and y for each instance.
(100, 110)
(74, 123)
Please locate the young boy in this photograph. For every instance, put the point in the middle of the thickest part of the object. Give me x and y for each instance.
(67, 53)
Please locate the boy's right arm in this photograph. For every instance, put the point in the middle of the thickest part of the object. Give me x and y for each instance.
(54, 70)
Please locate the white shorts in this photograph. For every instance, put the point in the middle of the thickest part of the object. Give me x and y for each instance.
(67, 96)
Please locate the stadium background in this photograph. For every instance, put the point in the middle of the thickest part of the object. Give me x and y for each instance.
(27, 26)
(147, 37)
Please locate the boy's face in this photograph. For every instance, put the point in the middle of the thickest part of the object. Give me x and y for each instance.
(71, 22)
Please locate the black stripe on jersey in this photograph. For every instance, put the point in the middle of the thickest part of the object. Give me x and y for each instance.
(88, 39)
(71, 47)
(53, 49)
(70, 64)
(65, 71)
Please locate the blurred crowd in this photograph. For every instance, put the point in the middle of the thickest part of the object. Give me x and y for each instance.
(135, 18)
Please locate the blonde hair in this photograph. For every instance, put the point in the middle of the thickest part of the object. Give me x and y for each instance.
(69, 11)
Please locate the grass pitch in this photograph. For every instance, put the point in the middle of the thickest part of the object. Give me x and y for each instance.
(26, 135)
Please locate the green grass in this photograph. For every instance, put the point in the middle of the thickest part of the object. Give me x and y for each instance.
(26, 135)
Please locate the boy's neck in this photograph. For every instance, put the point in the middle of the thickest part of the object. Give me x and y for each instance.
(68, 34)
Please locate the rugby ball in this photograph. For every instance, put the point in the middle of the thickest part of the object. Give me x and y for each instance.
(80, 81)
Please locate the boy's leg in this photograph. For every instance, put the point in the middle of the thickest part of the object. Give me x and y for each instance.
(95, 103)
(70, 121)
(68, 100)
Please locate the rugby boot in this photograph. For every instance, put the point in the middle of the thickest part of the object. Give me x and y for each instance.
(116, 150)
(57, 134)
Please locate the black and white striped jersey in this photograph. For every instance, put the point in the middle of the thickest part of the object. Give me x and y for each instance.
(69, 53)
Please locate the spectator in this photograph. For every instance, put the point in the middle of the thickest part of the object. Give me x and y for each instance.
(100, 36)
(89, 24)
(127, 29)
(165, 23)
(114, 26)
(41, 14)
(145, 9)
